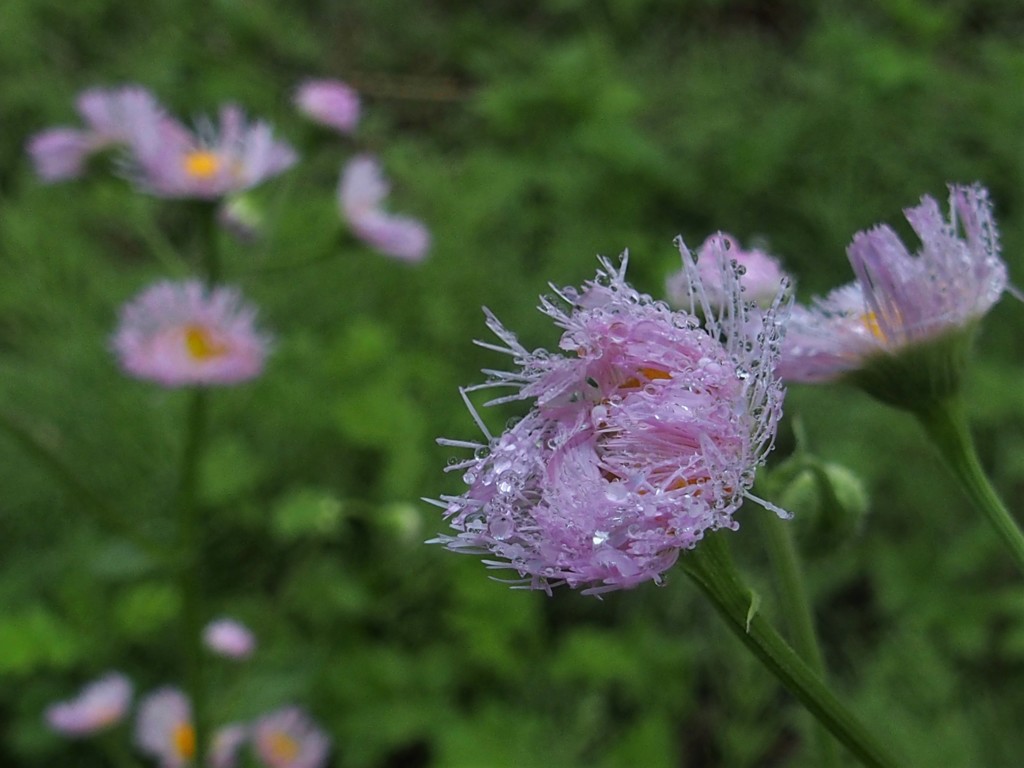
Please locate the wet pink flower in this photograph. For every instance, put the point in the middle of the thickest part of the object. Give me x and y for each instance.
(182, 333)
(163, 728)
(230, 638)
(288, 738)
(100, 705)
(644, 433)
(761, 277)
(360, 194)
(111, 116)
(172, 161)
(329, 102)
(900, 301)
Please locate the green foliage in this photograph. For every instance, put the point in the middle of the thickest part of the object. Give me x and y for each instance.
(529, 137)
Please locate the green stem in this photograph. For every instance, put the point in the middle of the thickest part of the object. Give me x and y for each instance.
(161, 248)
(946, 426)
(190, 545)
(81, 493)
(711, 567)
(797, 613)
(209, 242)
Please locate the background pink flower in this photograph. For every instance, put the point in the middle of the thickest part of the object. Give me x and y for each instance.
(329, 102)
(111, 115)
(182, 333)
(171, 161)
(163, 728)
(230, 638)
(288, 738)
(361, 192)
(762, 275)
(100, 704)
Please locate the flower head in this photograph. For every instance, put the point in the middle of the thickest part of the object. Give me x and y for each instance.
(111, 116)
(329, 102)
(360, 193)
(181, 333)
(761, 274)
(163, 728)
(226, 743)
(643, 434)
(230, 638)
(171, 161)
(100, 704)
(903, 327)
(288, 738)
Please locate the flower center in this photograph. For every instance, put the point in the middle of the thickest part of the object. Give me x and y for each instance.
(870, 320)
(184, 740)
(201, 164)
(281, 747)
(201, 344)
(650, 374)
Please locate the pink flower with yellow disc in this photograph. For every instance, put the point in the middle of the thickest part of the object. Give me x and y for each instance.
(164, 730)
(181, 334)
(288, 738)
(210, 162)
(919, 309)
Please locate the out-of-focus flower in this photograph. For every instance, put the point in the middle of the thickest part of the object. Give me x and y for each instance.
(230, 638)
(211, 162)
(163, 728)
(329, 102)
(288, 738)
(98, 706)
(642, 436)
(111, 116)
(903, 329)
(181, 333)
(360, 194)
(761, 274)
(226, 743)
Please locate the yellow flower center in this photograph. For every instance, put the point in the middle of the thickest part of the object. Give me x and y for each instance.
(201, 344)
(184, 739)
(201, 163)
(650, 374)
(870, 320)
(281, 747)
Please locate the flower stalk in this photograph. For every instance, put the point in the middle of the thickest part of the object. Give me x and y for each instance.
(711, 568)
(945, 423)
(797, 613)
(190, 578)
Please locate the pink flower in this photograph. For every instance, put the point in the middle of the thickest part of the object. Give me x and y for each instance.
(226, 743)
(181, 333)
(329, 102)
(163, 728)
(643, 434)
(111, 117)
(59, 153)
(100, 704)
(360, 194)
(230, 638)
(761, 273)
(171, 161)
(900, 301)
(288, 738)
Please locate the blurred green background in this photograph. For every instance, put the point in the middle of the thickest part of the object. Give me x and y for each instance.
(529, 137)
